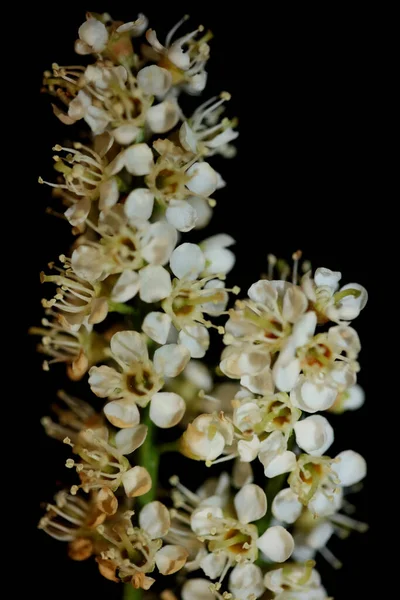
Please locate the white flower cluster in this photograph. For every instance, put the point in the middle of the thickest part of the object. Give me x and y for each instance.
(130, 195)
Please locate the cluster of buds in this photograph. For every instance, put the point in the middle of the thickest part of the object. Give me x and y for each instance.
(142, 180)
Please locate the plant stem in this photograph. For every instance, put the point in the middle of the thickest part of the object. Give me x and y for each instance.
(149, 457)
(130, 593)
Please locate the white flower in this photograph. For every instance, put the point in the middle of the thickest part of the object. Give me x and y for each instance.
(93, 37)
(202, 133)
(295, 582)
(246, 580)
(250, 503)
(276, 543)
(314, 435)
(345, 304)
(139, 380)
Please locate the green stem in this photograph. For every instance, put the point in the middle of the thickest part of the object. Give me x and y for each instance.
(130, 593)
(121, 308)
(149, 457)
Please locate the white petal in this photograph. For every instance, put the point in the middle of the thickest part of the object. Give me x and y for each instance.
(128, 440)
(126, 287)
(77, 108)
(155, 283)
(250, 503)
(262, 383)
(154, 80)
(213, 564)
(324, 505)
(125, 134)
(203, 179)
(319, 535)
(187, 260)
(170, 559)
(246, 581)
(314, 435)
(246, 416)
(263, 292)
(312, 397)
(129, 347)
(171, 359)
(220, 260)
(248, 450)
(286, 373)
(163, 116)
(167, 409)
(138, 159)
(181, 215)
(242, 473)
(94, 34)
(286, 506)
(199, 375)
(122, 413)
(139, 204)
(304, 329)
(157, 325)
(104, 380)
(154, 519)
(87, 263)
(215, 242)
(78, 213)
(203, 210)
(351, 467)
(109, 193)
(187, 138)
(282, 463)
(354, 398)
(328, 278)
(159, 242)
(295, 304)
(203, 519)
(276, 543)
(196, 339)
(135, 28)
(136, 482)
(350, 307)
(97, 119)
(197, 589)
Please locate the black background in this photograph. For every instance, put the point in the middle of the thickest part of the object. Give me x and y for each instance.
(302, 179)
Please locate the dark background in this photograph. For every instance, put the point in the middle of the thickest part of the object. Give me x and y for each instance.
(302, 179)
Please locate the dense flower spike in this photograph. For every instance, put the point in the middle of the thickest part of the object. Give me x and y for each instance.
(132, 310)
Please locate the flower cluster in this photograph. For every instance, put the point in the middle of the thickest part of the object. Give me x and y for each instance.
(132, 312)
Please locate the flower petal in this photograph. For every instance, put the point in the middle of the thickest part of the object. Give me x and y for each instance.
(286, 506)
(122, 413)
(187, 260)
(136, 482)
(196, 339)
(138, 159)
(276, 543)
(170, 559)
(155, 283)
(129, 347)
(157, 325)
(155, 520)
(171, 359)
(203, 179)
(250, 503)
(181, 215)
(167, 409)
(130, 439)
(139, 204)
(126, 286)
(154, 80)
